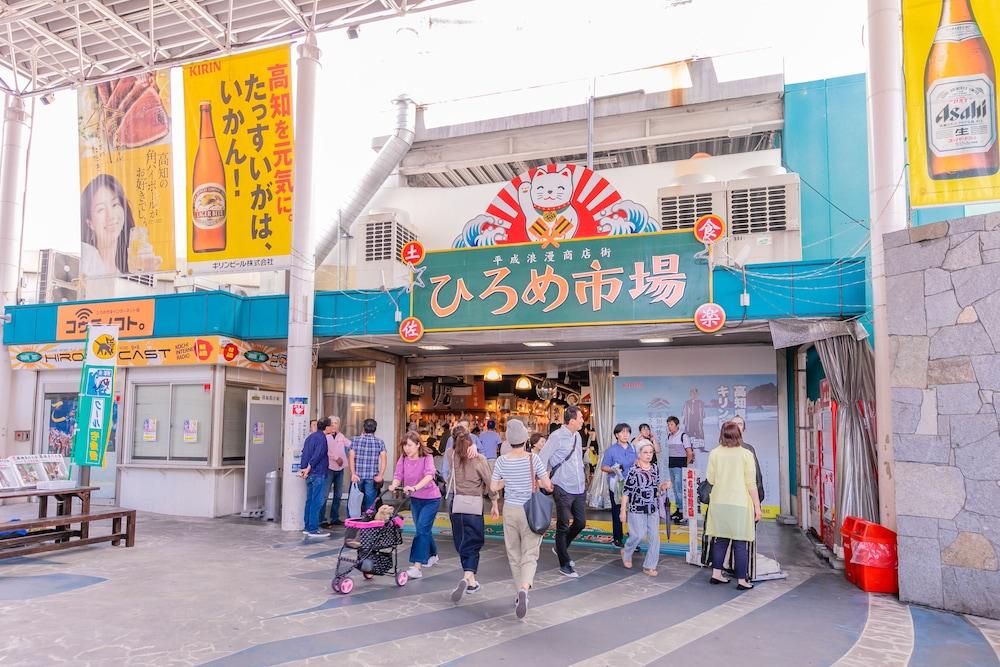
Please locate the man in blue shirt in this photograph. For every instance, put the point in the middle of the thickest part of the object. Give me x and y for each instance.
(314, 466)
(368, 459)
(617, 461)
(489, 441)
(563, 455)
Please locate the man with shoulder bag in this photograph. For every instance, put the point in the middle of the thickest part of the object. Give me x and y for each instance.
(563, 454)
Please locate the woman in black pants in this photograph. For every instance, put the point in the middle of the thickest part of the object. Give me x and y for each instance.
(469, 480)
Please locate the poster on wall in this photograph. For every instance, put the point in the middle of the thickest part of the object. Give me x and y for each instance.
(238, 121)
(149, 429)
(950, 52)
(703, 404)
(190, 430)
(126, 177)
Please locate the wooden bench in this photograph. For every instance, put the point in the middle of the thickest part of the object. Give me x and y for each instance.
(57, 532)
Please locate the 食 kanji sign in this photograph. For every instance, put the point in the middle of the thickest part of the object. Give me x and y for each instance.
(238, 113)
(635, 278)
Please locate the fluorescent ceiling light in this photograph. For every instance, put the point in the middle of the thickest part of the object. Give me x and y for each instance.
(434, 348)
(654, 341)
(538, 344)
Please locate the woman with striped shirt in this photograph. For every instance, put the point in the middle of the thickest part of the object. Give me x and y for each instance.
(513, 474)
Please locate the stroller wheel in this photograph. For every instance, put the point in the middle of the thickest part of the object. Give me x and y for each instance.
(345, 587)
(335, 585)
(369, 575)
(402, 578)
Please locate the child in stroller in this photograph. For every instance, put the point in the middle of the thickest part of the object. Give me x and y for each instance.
(371, 544)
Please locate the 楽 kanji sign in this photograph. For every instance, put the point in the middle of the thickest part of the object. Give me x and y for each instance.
(634, 278)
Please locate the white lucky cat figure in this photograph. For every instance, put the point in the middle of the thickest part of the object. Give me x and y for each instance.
(547, 205)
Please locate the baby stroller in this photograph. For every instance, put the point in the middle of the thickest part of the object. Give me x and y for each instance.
(371, 546)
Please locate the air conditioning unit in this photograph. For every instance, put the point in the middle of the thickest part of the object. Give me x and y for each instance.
(763, 215)
(378, 246)
(690, 198)
(58, 276)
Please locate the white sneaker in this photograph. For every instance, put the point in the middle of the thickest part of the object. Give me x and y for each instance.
(432, 561)
(318, 534)
(305, 532)
(572, 563)
(414, 573)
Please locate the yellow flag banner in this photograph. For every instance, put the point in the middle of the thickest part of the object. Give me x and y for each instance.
(949, 63)
(238, 120)
(126, 177)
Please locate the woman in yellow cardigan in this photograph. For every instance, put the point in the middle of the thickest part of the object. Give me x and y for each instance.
(734, 507)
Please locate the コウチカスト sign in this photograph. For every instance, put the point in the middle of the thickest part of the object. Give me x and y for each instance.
(636, 278)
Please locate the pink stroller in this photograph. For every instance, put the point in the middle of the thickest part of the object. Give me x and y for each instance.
(371, 546)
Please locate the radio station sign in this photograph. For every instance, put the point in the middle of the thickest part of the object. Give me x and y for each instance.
(134, 318)
(183, 351)
(629, 279)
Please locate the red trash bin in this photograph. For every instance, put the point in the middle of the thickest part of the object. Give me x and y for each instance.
(874, 555)
(847, 534)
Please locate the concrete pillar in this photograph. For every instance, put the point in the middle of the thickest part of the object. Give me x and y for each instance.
(887, 204)
(301, 281)
(12, 176)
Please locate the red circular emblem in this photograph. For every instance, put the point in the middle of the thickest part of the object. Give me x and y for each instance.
(230, 351)
(412, 253)
(709, 229)
(411, 330)
(709, 318)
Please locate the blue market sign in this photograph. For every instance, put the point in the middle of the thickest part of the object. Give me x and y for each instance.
(29, 357)
(256, 356)
(659, 277)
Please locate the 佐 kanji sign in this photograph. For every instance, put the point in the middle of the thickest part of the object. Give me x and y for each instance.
(603, 280)
(411, 330)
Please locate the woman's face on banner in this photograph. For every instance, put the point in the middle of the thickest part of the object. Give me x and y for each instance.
(107, 216)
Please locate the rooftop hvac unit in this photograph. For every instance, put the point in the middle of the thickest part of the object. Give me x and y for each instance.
(58, 274)
(379, 248)
(764, 220)
(683, 203)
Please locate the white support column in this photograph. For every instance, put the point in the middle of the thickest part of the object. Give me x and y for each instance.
(301, 280)
(887, 203)
(11, 188)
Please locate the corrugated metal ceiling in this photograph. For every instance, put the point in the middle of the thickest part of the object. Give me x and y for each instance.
(49, 45)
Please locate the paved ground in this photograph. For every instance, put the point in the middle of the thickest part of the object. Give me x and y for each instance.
(232, 592)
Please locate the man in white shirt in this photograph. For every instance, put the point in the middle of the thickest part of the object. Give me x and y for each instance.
(563, 454)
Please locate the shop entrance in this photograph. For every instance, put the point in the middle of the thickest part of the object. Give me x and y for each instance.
(264, 432)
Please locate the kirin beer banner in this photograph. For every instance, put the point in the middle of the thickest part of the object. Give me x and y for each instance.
(126, 177)
(238, 115)
(949, 53)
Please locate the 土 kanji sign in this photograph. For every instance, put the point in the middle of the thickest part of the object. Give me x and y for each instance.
(635, 278)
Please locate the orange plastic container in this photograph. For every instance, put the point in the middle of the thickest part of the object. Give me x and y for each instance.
(847, 534)
(874, 556)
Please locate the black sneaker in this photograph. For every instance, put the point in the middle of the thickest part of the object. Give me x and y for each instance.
(460, 590)
(521, 604)
(568, 571)
(618, 543)
(473, 589)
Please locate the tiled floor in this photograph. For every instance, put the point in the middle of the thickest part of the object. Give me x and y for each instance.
(235, 592)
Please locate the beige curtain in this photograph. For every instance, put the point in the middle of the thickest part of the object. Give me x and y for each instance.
(602, 389)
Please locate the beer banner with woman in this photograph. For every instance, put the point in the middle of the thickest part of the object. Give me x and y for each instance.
(238, 123)
(949, 63)
(126, 178)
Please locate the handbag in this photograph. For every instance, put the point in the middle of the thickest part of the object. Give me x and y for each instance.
(538, 508)
(460, 503)
(354, 501)
(704, 491)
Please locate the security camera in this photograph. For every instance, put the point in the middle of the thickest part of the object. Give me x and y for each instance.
(48, 98)
(353, 31)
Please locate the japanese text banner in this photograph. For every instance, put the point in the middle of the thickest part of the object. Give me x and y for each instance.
(639, 278)
(126, 177)
(238, 115)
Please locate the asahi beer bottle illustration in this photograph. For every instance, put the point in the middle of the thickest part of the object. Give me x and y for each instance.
(208, 183)
(961, 102)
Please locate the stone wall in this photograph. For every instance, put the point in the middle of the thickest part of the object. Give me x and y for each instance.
(944, 324)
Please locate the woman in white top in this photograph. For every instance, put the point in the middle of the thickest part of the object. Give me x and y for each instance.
(513, 474)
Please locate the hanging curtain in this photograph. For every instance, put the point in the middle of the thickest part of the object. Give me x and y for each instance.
(850, 368)
(602, 390)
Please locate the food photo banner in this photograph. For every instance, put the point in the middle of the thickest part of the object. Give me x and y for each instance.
(635, 278)
(238, 122)
(126, 177)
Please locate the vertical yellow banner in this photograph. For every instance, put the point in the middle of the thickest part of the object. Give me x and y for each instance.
(949, 63)
(126, 178)
(238, 120)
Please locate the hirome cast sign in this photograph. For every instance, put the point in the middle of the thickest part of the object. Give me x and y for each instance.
(631, 278)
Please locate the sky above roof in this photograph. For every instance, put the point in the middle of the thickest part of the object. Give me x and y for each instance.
(480, 59)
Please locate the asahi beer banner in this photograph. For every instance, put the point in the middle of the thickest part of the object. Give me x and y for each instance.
(238, 121)
(703, 404)
(126, 176)
(632, 278)
(949, 53)
(182, 351)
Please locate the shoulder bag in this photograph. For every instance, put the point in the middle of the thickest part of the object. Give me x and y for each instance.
(552, 473)
(462, 504)
(538, 508)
